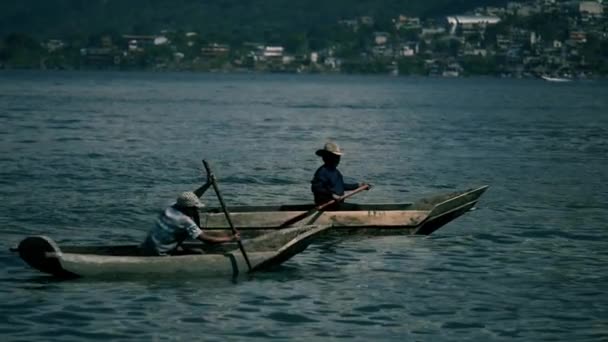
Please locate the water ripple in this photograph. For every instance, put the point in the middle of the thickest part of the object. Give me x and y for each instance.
(92, 157)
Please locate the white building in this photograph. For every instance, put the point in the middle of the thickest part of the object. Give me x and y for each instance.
(288, 59)
(592, 8)
(161, 40)
(470, 21)
(381, 38)
(273, 51)
(133, 45)
(407, 51)
(54, 45)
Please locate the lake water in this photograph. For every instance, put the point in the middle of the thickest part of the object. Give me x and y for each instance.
(92, 158)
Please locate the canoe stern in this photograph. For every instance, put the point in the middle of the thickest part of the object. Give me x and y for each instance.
(41, 253)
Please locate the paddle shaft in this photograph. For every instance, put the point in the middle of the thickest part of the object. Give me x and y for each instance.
(226, 213)
(322, 206)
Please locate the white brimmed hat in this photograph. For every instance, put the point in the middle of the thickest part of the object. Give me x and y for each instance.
(189, 199)
(330, 147)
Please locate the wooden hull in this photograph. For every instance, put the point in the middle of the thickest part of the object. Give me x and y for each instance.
(422, 217)
(42, 253)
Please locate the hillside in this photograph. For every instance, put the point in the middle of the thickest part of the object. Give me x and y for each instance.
(52, 18)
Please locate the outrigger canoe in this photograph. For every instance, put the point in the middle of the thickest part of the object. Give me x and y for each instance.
(421, 217)
(264, 252)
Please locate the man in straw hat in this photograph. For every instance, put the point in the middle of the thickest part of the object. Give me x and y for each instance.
(179, 222)
(328, 183)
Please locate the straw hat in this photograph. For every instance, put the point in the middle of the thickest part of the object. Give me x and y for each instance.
(189, 200)
(330, 147)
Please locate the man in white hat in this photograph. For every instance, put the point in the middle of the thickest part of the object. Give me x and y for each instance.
(328, 183)
(179, 222)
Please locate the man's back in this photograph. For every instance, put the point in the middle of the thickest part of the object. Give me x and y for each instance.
(327, 181)
(170, 229)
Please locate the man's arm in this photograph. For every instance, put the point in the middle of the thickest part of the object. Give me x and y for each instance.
(212, 239)
(200, 191)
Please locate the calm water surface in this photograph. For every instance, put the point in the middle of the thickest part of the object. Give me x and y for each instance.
(92, 157)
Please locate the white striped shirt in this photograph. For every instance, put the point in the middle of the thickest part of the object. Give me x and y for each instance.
(170, 229)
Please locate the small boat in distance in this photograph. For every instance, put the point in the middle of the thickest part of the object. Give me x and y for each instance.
(555, 79)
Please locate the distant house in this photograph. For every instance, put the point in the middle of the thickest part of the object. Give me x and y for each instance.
(366, 20)
(578, 37)
(534, 38)
(527, 10)
(178, 56)
(161, 40)
(503, 42)
(470, 23)
(432, 31)
(406, 22)
(381, 38)
(288, 59)
(408, 49)
(332, 62)
(106, 41)
(139, 42)
(475, 52)
(273, 52)
(100, 56)
(133, 46)
(591, 8)
(453, 69)
(215, 50)
(522, 9)
(54, 45)
(382, 51)
(353, 24)
(494, 11)
(520, 36)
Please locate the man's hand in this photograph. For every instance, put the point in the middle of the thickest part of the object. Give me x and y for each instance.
(369, 186)
(210, 178)
(336, 197)
(236, 237)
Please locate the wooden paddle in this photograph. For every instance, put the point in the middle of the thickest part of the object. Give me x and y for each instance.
(219, 197)
(321, 207)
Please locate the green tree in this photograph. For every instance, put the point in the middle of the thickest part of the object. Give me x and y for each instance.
(296, 43)
(22, 51)
(411, 66)
(479, 65)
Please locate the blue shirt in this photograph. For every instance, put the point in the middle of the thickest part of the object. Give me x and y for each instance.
(328, 181)
(171, 228)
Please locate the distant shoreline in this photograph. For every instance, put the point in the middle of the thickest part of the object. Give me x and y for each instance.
(254, 72)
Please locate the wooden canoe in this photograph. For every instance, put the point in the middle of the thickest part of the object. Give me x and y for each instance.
(264, 252)
(422, 217)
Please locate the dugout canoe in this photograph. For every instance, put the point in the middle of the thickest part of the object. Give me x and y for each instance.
(421, 217)
(264, 252)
